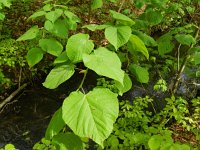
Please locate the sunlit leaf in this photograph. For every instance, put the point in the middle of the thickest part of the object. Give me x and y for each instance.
(58, 75)
(91, 115)
(105, 63)
(51, 46)
(78, 45)
(118, 36)
(30, 34)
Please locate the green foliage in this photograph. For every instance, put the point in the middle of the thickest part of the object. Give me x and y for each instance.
(158, 142)
(8, 147)
(84, 112)
(127, 51)
(101, 61)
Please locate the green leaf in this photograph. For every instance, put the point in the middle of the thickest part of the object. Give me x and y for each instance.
(148, 41)
(2, 16)
(37, 14)
(71, 16)
(105, 63)
(96, 4)
(30, 34)
(6, 3)
(155, 142)
(68, 141)
(196, 57)
(126, 86)
(78, 45)
(58, 28)
(47, 7)
(51, 46)
(34, 56)
(10, 147)
(54, 15)
(185, 39)
(135, 44)
(94, 27)
(58, 75)
(91, 115)
(122, 18)
(153, 17)
(179, 147)
(62, 58)
(118, 36)
(165, 44)
(141, 73)
(55, 126)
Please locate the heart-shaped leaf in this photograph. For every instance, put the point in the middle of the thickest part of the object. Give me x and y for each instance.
(78, 45)
(58, 28)
(54, 15)
(91, 115)
(51, 46)
(118, 36)
(105, 63)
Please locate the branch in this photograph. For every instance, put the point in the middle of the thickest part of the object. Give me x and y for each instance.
(7, 100)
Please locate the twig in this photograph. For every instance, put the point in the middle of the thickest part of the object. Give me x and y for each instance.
(83, 80)
(7, 100)
(121, 6)
(178, 77)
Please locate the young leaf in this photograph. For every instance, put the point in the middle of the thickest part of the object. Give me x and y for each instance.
(136, 44)
(71, 16)
(34, 56)
(58, 28)
(58, 75)
(185, 39)
(78, 45)
(126, 86)
(153, 17)
(94, 27)
(37, 14)
(155, 142)
(30, 34)
(141, 74)
(62, 58)
(55, 126)
(91, 115)
(51, 46)
(122, 18)
(2, 16)
(105, 63)
(165, 44)
(96, 4)
(148, 40)
(68, 141)
(54, 15)
(196, 57)
(118, 36)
